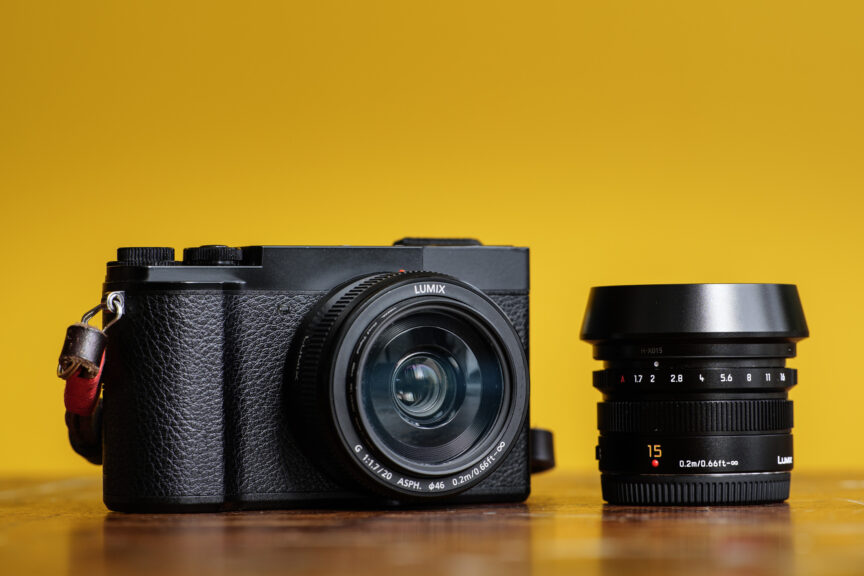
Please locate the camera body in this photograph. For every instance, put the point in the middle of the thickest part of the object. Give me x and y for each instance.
(246, 379)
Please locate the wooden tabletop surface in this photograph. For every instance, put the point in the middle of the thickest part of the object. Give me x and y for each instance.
(61, 527)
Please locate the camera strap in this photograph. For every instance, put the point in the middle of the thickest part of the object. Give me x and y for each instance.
(541, 447)
(81, 361)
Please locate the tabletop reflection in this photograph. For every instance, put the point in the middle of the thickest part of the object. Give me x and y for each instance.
(61, 526)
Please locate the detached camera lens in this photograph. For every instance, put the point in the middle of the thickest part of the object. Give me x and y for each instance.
(695, 407)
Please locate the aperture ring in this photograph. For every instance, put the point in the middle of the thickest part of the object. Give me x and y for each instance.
(694, 380)
(709, 416)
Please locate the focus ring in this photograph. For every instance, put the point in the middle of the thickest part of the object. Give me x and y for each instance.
(695, 490)
(313, 404)
(707, 416)
(320, 328)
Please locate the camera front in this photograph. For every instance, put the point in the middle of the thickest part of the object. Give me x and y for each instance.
(304, 376)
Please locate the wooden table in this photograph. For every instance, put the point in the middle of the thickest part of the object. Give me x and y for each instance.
(61, 527)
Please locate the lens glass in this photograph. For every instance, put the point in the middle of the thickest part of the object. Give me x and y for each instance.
(432, 387)
(424, 388)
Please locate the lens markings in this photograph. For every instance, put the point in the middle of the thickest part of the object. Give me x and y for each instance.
(698, 379)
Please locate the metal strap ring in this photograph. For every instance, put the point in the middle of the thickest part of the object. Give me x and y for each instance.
(114, 303)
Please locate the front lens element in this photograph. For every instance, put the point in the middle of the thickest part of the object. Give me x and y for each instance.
(421, 385)
(695, 407)
(432, 386)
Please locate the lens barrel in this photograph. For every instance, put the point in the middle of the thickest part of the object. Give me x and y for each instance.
(695, 407)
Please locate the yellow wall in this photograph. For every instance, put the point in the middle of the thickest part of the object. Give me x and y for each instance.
(624, 142)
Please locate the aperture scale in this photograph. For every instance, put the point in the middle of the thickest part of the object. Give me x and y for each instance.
(696, 379)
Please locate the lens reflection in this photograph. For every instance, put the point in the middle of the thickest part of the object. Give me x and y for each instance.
(422, 385)
(432, 387)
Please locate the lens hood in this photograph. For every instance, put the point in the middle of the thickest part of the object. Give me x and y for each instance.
(693, 312)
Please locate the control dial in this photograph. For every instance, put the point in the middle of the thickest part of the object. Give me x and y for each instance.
(145, 256)
(212, 255)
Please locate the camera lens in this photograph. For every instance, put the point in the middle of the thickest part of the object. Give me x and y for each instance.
(413, 385)
(695, 407)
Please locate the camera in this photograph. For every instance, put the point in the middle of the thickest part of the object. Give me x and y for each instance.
(695, 391)
(298, 376)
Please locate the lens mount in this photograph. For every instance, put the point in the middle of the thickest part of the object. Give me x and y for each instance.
(695, 407)
(412, 385)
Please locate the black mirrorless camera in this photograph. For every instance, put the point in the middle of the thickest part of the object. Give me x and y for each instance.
(277, 376)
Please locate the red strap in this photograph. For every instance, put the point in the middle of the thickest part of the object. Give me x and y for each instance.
(82, 394)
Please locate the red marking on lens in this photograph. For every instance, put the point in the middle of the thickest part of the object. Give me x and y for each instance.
(655, 463)
(402, 271)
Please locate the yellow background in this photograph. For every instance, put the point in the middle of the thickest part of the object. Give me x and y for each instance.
(624, 142)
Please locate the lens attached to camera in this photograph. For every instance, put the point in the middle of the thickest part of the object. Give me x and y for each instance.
(695, 407)
(414, 385)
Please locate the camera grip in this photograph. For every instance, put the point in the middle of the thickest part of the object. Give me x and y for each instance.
(164, 430)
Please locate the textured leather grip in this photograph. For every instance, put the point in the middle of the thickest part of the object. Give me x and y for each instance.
(163, 399)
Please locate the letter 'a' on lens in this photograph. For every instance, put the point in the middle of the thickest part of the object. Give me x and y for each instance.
(695, 388)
